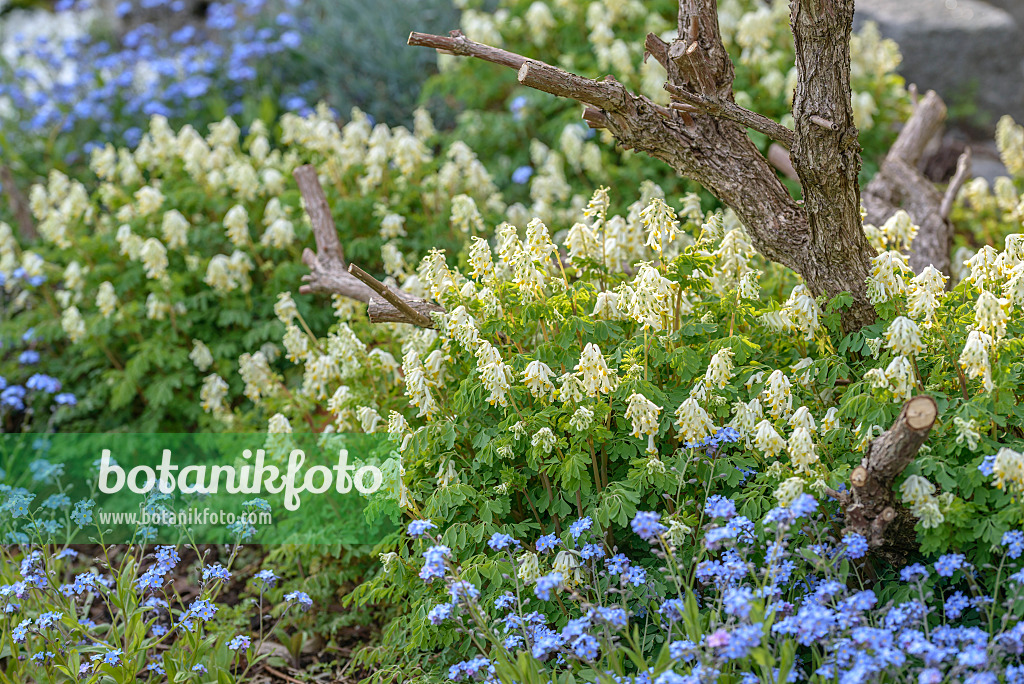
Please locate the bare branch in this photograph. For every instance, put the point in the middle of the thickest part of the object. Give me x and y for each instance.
(900, 185)
(608, 94)
(963, 172)
(413, 316)
(779, 158)
(328, 274)
(732, 111)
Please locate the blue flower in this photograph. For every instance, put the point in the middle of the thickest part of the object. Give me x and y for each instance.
(203, 609)
(908, 573)
(82, 514)
(591, 551)
(955, 605)
(522, 175)
(948, 564)
(463, 590)
(111, 657)
(499, 541)
(239, 643)
(28, 357)
(547, 543)
(418, 528)
(719, 507)
(580, 526)
(586, 647)
(856, 545)
(505, 601)
(440, 613)
(216, 572)
(434, 562)
(646, 525)
(43, 383)
(267, 579)
(301, 598)
(1014, 543)
(546, 583)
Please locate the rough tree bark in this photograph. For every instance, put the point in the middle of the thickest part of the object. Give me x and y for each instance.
(870, 505)
(704, 136)
(899, 185)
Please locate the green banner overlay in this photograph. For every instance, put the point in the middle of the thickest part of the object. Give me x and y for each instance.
(197, 488)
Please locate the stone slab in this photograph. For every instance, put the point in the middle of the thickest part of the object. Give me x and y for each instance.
(966, 50)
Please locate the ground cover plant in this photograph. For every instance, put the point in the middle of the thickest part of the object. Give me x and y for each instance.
(636, 435)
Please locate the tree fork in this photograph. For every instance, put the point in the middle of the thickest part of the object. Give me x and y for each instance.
(706, 138)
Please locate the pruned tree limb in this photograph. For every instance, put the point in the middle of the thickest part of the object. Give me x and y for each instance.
(870, 505)
(328, 274)
(411, 314)
(963, 172)
(900, 185)
(732, 111)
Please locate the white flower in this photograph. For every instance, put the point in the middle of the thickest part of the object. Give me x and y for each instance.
(984, 267)
(495, 375)
(236, 222)
(900, 376)
(296, 344)
(278, 425)
(887, 279)
(801, 450)
(904, 337)
(788, 491)
(257, 376)
(648, 299)
(967, 431)
(693, 422)
(720, 369)
(745, 416)
(279, 234)
(73, 324)
(594, 372)
(778, 394)
(803, 310)
(368, 418)
(175, 229)
(662, 227)
(154, 258)
(200, 355)
(582, 419)
(149, 200)
(1008, 467)
(802, 418)
(916, 490)
(544, 439)
(990, 314)
(831, 420)
(570, 389)
(213, 393)
(974, 358)
(106, 299)
(643, 414)
(480, 259)
(537, 378)
(768, 440)
(285, 308)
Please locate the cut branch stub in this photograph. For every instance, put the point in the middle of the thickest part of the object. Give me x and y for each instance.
(900, 185)
(871, 508)
(327, 272)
